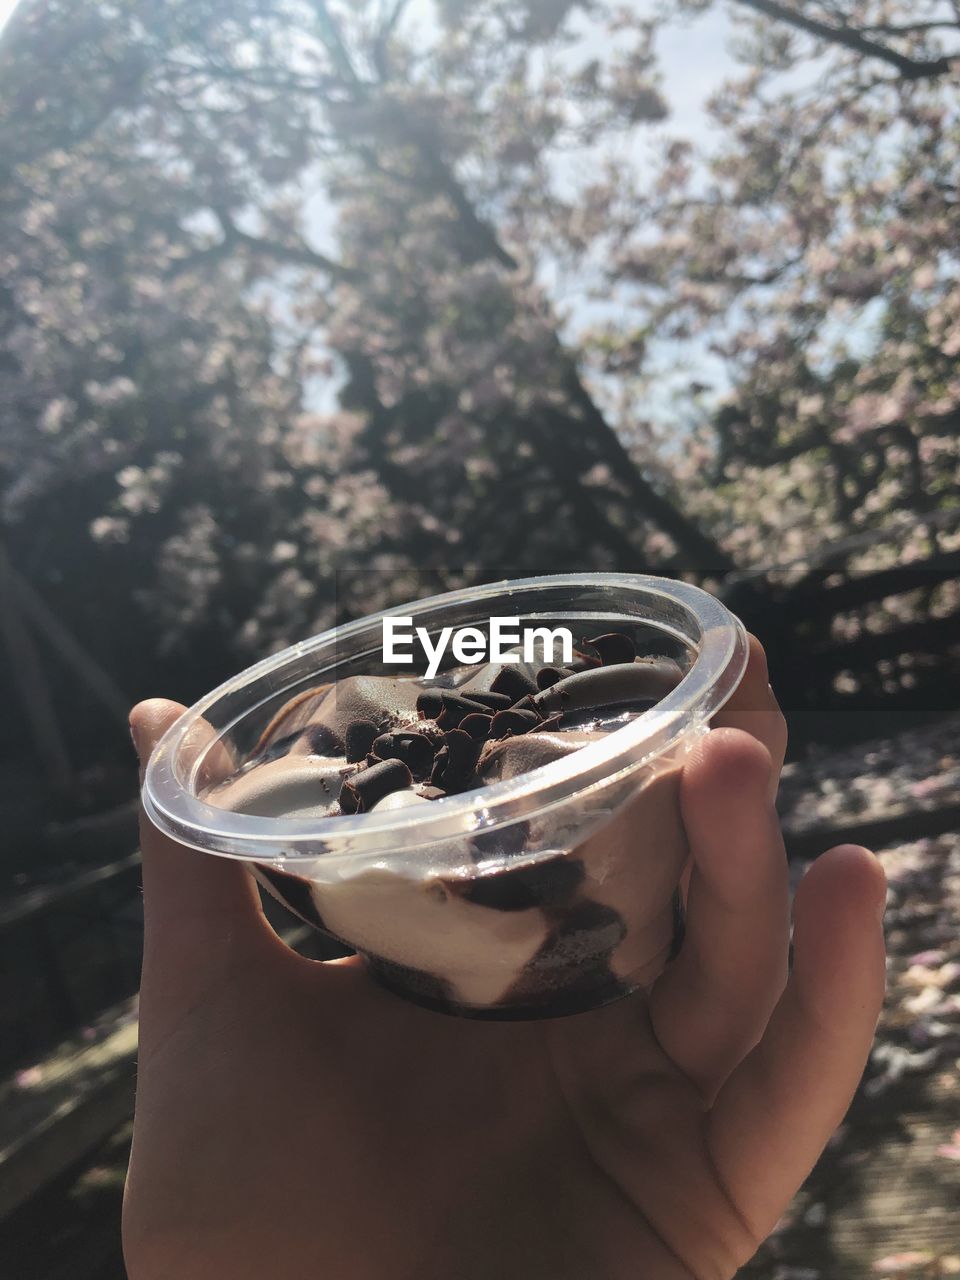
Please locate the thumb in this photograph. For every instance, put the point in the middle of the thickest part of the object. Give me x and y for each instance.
(201, 911)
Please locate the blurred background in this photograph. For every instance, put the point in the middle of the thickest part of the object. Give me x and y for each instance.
(308, 308)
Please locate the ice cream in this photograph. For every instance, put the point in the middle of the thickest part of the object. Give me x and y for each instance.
(529, 923)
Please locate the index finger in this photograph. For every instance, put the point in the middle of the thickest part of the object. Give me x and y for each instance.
(198, 908)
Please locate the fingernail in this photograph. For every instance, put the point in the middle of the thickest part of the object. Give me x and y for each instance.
(133, 739)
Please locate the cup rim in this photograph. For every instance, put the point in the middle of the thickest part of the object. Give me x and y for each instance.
(714, 675)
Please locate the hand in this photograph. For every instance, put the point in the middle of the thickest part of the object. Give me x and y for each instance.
(295, 1120)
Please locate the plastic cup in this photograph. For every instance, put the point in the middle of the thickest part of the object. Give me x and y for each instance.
(550, 893)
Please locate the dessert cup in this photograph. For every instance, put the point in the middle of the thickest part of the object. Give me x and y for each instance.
(547, 893)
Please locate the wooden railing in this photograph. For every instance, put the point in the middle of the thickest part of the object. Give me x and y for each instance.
(796, 625)
(70, 949)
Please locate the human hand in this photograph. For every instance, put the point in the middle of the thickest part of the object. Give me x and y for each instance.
(294, 1119)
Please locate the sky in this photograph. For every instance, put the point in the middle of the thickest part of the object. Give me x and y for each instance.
(694, 60)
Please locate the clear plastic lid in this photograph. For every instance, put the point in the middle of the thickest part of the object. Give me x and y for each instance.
(219, 731)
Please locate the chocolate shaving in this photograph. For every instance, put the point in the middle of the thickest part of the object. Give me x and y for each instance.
(456, 708)
(430, 730)
(361, 792)
(548, 676)
(359, 739)
(528, 704)
(440, 762)
(414, 749)
(347, 799)
(606, 686)
(513, 721)
(495, 701)
(454, 763)
(583, 661)
(477, 725)
(430, 703)
(614, 647)
(513, 682)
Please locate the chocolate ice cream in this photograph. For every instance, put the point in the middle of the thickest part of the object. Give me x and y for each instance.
(561, 923)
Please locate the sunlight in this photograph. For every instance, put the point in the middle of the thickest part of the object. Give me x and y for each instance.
(6, 9)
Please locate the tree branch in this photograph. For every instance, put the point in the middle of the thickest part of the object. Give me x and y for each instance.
(288, 82)
(851, 38)
(299, 254)
(482, 234)
(295, 254)
(744, 281)
(380, 52)
(910, 28)
(707, 555)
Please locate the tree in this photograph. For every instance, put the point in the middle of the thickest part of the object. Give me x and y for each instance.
(169, 309)
(815, 253)
(165, 159)
(152, 430)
